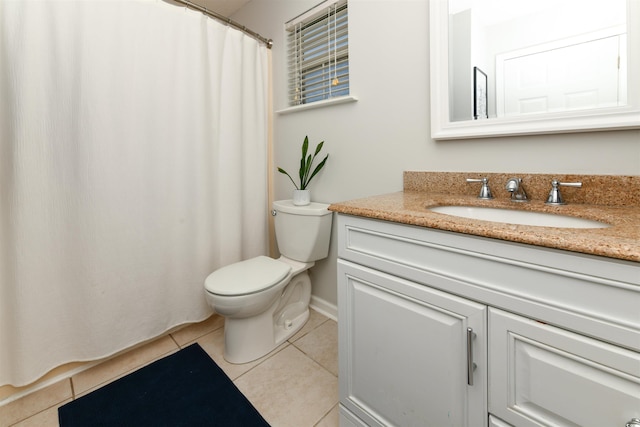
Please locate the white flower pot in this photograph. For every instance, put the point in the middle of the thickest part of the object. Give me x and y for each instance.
(301, 197)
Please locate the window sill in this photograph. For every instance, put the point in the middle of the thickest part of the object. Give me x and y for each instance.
(318, 104)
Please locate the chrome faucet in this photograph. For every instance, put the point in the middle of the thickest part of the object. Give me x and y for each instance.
(514, 186)
(555, 198)
(485, 191)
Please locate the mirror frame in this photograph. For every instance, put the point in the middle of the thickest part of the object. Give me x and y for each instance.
(597, 119)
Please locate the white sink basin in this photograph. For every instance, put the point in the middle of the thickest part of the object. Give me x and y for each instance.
(512, 216)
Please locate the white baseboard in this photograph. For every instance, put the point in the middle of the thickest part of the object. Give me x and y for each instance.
(324, 307)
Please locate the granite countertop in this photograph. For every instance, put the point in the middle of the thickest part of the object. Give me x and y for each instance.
(621, 240)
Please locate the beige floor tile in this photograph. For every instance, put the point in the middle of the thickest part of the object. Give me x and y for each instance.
(121, 365)
(35, 402)
(315, 319)
(48, 418)
(321, 344)
(9, 392)
(332, 419)
(289, 389)
(192, 332)
(291, 386)
(213, 344)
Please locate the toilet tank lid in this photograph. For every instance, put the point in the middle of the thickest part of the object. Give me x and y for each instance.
(247, 277)
(312, 209)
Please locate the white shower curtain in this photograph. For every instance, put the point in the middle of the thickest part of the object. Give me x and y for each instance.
(132, 164)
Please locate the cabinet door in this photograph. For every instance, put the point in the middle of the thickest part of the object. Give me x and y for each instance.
(540, 375)
(403, 352)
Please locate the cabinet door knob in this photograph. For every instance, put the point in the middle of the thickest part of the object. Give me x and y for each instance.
(633, 422)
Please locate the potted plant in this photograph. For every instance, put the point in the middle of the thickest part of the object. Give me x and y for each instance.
(302, 195)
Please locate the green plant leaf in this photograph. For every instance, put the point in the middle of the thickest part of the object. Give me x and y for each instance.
(318, 168)
(306, 163)
(305, 146)
(285, 172)
(318, 148)
(303, 166)
(307, 166)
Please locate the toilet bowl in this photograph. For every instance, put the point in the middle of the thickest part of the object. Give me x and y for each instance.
(265, 301)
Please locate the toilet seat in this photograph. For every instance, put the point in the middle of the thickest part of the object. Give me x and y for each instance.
(247, 277)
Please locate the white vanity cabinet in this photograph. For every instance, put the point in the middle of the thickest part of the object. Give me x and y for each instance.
(445, 329)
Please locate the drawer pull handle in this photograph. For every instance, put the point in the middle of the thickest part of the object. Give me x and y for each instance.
(470, 365)
(633, 422)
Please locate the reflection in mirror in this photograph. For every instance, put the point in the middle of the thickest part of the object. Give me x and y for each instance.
(512, 99)
(542, 56)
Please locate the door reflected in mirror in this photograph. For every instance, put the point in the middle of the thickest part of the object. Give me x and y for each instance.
(539, 56)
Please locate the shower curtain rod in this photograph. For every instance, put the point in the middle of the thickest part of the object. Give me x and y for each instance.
(230, 22)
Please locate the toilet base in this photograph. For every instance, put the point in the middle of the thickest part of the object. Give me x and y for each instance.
(248, 339)
(264, 341)
(285, 332)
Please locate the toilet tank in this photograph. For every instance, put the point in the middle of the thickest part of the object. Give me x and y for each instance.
(302, 232)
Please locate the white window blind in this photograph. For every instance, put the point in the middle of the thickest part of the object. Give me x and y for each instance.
(318, 54)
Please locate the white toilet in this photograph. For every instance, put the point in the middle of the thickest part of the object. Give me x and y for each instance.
(265, 301)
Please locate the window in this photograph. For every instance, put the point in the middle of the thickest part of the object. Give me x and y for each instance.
(318, 54)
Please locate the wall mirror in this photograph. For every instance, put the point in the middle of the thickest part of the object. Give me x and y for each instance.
(505, 67)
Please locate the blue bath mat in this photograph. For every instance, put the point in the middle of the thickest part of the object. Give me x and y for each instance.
(186, 388)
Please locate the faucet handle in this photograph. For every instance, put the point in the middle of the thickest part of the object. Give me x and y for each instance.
(555, 198)
(485, 191)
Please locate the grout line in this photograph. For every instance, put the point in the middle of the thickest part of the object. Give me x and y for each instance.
(326, 414)
(42, 384)
(129, 371)
(73, 389)
(175, 342)
(267, 357)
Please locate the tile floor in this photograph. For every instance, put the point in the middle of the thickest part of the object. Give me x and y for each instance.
(295, 385)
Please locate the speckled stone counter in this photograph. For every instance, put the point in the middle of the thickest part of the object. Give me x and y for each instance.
(426, 189)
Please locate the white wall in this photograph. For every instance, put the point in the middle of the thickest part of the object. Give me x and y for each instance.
(461, 62)
(371, 142)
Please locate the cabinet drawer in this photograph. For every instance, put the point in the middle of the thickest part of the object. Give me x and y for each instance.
(594, 296)
(540, 375)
